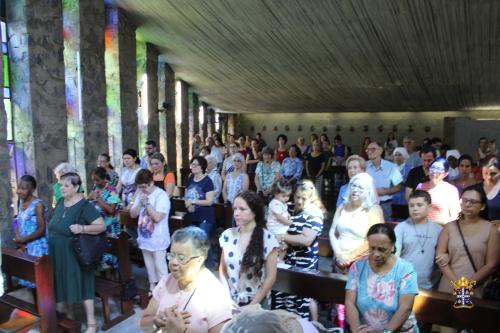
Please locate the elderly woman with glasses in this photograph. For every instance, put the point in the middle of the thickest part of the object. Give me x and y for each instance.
(190, 298)
(237, 181)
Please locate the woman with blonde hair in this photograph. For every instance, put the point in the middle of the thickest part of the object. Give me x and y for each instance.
(301, 239)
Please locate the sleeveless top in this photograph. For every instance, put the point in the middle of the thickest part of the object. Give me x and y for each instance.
(234, 186)
(458, 259)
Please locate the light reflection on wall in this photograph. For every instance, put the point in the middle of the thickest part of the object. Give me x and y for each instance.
(142, 91)
(113, 86)
(71, 30)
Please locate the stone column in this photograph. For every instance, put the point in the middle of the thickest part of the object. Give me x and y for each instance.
(190, 119)
(230, 124)
(196, 113)
(170, 118)
(203, 129)
(152, 91)
(128, 81)
(210, 121)
(182, 124)
(5, 185)
(39, 86)
(93, 83)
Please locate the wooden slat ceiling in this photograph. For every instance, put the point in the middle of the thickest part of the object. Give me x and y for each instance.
(330, 55)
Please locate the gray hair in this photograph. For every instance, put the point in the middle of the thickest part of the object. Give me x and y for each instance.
(196, 236)
(212, 159)
(371, 197)
(64, 168)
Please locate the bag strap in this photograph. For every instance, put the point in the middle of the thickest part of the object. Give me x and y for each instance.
(81, 211)
(466, 247)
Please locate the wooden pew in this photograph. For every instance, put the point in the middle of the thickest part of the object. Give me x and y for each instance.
(40, 272)
(105, 289)
(223, 213)
(430, 306)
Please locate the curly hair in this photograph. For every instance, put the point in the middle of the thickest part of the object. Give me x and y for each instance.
(253, 259)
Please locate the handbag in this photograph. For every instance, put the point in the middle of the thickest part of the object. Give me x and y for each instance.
(89, 248)
(491, 290)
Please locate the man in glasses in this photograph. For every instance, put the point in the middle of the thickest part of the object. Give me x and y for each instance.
(386, 175)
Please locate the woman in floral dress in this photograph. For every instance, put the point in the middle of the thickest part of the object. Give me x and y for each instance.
(105, 199)
(30, 230)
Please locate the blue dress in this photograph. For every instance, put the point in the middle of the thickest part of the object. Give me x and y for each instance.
(27, 225)
(377, 295)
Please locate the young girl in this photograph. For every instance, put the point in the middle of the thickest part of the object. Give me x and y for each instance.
(30, 233)
(278, 218)
(249, 252)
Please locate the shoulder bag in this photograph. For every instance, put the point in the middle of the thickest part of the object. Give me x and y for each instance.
(89, 248)
(491, 289)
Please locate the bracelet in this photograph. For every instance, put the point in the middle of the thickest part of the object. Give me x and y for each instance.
(82, 229)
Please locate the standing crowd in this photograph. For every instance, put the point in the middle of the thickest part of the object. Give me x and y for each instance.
(451, 201)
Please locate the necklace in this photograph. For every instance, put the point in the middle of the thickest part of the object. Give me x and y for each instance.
(421, 244)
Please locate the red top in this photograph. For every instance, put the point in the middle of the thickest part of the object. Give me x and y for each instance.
(281, 155)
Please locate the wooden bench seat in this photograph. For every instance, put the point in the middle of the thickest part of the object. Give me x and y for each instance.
(430, 306)
(12, 319)
(106, 289)
(38, 271)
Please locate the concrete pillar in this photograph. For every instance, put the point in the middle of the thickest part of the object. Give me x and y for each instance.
(182, 124)
(230, 124)
(162, 125)
(170, 101)
(5, 186)
(152, 91)
(203, 130)
(39, 86)
(196, 113)
(210, 121)
(128, 81)
(93, 83)
(191, 118)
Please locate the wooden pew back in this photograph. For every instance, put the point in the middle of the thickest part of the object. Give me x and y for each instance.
(430, 306)
(40, 272)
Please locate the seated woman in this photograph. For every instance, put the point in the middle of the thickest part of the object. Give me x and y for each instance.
(30, 235)
(249, 252)
(380, 289)
(162, 176)
(352, 221)
(237, 181)
(465, 174)
(190, 298)
(302, 241)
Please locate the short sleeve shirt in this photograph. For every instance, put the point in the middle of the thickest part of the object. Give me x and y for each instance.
(243, 285)
(154, 236)
(197, 190)
(385, 176)
(377, 295)
(304, 256)
(209, 304)
(415, 177)
(273, 225)
(267, 174)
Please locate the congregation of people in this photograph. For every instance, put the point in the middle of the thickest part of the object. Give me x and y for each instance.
(206, 280)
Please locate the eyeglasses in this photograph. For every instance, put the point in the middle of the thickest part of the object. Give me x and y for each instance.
(195, 164)
(371, 149)
(471, 202)
(180, 258)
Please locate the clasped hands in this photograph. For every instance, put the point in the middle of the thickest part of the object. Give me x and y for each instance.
(172, 320)
(366, 329)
